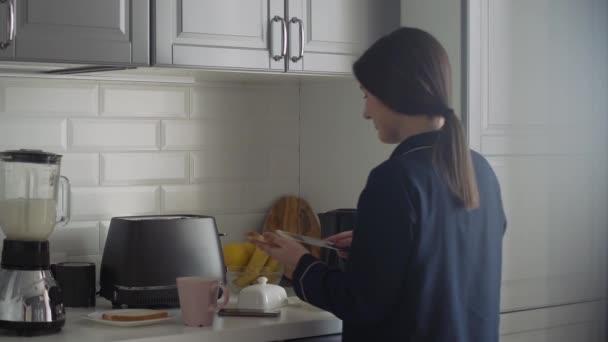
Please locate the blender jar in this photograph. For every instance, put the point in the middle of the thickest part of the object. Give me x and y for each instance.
(29, 207)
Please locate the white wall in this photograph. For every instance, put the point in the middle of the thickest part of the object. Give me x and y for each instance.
(339, 147)
(133, 148)
(442, 19)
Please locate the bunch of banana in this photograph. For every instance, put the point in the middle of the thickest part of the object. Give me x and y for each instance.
(251, 262)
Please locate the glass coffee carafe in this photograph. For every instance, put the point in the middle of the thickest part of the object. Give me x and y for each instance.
(29, 195)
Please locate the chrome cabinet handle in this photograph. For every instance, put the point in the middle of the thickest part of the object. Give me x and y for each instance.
(283, 38)
(294, 20)
(11, 24)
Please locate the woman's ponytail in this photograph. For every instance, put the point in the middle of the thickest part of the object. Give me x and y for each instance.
(453, 160)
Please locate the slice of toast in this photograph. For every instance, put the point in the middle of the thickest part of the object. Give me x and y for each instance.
(134, 315)
(255, 236)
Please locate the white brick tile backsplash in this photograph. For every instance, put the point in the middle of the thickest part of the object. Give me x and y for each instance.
(81, 168)
(284, 163)
(235, 226)
(259, 196)
(225, 198)
(229, 102)
(56, 258)
(38, 133)
(182, 135)
(230, 163)
(200, 199)
(281, 133)
(284, 103)
(232, 133)
(144, 101)
(196, 134)
(141, 148)
(78, 238)
(35, 97)
(114, 135)
(199, 134)
(99, 203)
(144, 168)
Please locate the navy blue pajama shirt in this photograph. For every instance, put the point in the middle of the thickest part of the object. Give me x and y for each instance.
(421, 267)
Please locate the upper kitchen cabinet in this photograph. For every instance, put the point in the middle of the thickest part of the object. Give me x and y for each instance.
(80, 31)
(274, 35)
(327, 36)
(7, 31)
(221, 34)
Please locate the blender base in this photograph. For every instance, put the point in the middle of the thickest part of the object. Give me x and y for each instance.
(31, 303)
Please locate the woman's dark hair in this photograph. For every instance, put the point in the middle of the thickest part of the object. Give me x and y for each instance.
(409, 71)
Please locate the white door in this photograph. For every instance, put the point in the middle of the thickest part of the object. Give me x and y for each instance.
(109, 31)
(220, 34)
(328, 36)
(538, 112)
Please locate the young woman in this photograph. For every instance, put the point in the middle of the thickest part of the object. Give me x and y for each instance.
(425, 258)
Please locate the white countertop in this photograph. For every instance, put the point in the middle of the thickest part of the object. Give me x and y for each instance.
(297, 320)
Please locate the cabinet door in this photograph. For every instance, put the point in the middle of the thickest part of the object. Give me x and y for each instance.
(8, 52)
(540, 119)
(219, 34)
(583, 322)
(336, 32)
(109, 31)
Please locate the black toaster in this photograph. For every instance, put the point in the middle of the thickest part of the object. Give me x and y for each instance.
(144, 255)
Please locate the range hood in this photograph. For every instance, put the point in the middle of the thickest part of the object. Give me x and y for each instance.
(85, 70)
(151, 73)
(32, 68)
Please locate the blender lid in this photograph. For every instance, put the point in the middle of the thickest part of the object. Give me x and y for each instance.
(30, 156)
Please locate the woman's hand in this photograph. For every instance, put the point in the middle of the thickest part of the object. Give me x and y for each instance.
(342, 241)
(288, 252)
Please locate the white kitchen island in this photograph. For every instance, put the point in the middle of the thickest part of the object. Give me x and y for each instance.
(297, 320)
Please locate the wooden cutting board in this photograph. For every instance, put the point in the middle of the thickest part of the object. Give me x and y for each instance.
(294, 215)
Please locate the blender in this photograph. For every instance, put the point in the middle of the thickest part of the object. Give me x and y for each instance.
(30, 299)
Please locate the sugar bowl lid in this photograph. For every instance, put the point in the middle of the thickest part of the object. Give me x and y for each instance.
(262, 296)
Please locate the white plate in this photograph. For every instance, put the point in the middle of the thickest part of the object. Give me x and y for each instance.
(307, 240)
(96, 317)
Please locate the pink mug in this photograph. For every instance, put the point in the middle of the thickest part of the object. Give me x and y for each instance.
(198, 299)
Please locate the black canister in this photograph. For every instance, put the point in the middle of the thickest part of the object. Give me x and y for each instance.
(77, 282)
(334, 222)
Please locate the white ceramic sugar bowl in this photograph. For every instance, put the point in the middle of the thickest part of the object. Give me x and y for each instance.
(262, 296)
